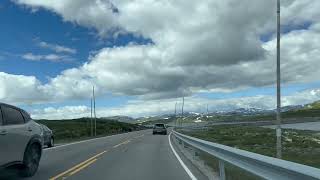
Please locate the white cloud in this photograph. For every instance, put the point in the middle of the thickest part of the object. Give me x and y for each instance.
(21, 89)
(66, 112)
(32, 57)
(209, 45)
(47, 57)
(57, 48)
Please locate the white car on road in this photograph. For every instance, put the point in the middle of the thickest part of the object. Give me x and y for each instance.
(20, 140)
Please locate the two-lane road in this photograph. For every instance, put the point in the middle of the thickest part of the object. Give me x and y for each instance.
(135, 155)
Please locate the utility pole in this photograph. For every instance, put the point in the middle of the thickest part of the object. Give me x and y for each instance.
(94, 112)
(182, 110)
(91, 127)
(278, 129)
(175, 114)
(207, 110)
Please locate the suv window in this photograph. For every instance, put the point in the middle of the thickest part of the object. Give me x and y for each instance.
(159, 126)
(26, 116)
(11, 116)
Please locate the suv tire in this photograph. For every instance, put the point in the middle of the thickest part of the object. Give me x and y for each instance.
(51, 143)
(31, 160)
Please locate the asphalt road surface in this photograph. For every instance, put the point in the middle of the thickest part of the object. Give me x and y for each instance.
(133, 156)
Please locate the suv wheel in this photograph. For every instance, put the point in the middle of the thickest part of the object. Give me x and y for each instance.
(31, 161)
(51, 143)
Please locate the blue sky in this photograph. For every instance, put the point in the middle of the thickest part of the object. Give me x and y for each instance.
(23, 30)
(48, 27)
(17, 24)
(285, 29)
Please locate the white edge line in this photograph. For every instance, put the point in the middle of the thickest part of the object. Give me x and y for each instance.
(181, 162)
(78, 142)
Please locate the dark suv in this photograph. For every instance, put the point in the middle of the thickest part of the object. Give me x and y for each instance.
(20, 140)
(159, 128)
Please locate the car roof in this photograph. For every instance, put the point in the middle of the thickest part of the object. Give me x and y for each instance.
(5, 104)
(15, 108)
(10, 105)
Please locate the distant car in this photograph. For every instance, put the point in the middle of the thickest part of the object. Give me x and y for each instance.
(48, 138)
(20, 140)
(159, 128)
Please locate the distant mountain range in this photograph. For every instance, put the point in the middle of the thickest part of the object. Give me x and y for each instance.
(245, 111)
(240, 111)
(256, 111)
(121, 118)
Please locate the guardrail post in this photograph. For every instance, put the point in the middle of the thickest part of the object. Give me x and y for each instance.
(196, 153)
(185, 145)
(222, 173)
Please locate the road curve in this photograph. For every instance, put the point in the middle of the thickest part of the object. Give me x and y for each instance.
(133, 156)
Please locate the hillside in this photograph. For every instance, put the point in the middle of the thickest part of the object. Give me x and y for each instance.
(314, 105)
(126, 119)
(308, 110)
(76, 129)
(153, 120)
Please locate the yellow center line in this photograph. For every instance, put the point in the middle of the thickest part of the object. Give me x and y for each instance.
(77, 166)
(139, 136)
(125, 142)
(82, 167)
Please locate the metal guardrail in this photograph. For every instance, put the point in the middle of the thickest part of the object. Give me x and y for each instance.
(257, 164)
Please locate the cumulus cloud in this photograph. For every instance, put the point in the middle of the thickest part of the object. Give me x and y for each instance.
(57, 48)
(197, 46)
(21, 89)
(66, 112)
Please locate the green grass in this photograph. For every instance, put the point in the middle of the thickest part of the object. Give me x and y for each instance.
(298, 146)
(231, 172)
(79, 129)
